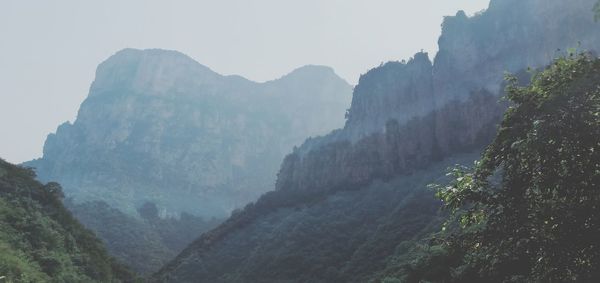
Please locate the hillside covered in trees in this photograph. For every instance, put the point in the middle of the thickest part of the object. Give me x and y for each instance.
(40, 241)
(145, 243)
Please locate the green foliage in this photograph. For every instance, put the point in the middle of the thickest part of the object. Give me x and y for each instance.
(529, 211)
(355, 234)
(145, 244)
(39, 239)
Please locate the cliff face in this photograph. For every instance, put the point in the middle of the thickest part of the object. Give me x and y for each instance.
(446, 106)
(159, 127)
(396, 91)
(474, 53)
(510, 36)
(398, 149)
(407, 123)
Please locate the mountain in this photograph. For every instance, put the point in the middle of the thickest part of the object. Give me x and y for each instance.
(40, 241)
(351, 205)
(159, 127)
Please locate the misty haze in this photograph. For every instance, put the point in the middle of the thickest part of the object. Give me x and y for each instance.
(300, 141)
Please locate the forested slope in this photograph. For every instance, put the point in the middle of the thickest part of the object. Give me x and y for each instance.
(40, 241)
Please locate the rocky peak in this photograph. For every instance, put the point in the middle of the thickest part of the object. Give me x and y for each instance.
(151, 72)
(395, 90)
(158, 126)
(309, 72)
(511, 35)
(306, 83)
(446, 106)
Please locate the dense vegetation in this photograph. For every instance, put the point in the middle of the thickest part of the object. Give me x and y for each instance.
(144, 243)
(529, 210)
(39, 239)
(316, 236)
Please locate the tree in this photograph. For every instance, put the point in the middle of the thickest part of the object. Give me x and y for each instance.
(530, 209)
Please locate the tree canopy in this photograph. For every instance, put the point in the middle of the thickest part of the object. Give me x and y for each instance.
(530, 208)
(40, 241)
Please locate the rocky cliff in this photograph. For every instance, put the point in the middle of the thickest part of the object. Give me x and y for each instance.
(157, 126)
(444, 107)
(350, 203)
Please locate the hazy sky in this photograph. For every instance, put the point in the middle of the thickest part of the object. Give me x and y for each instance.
(49, 50)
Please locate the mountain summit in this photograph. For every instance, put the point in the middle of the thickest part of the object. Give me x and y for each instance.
(152, 72)
(159, 127)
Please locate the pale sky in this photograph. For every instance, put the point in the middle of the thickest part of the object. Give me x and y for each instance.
(49, 50)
